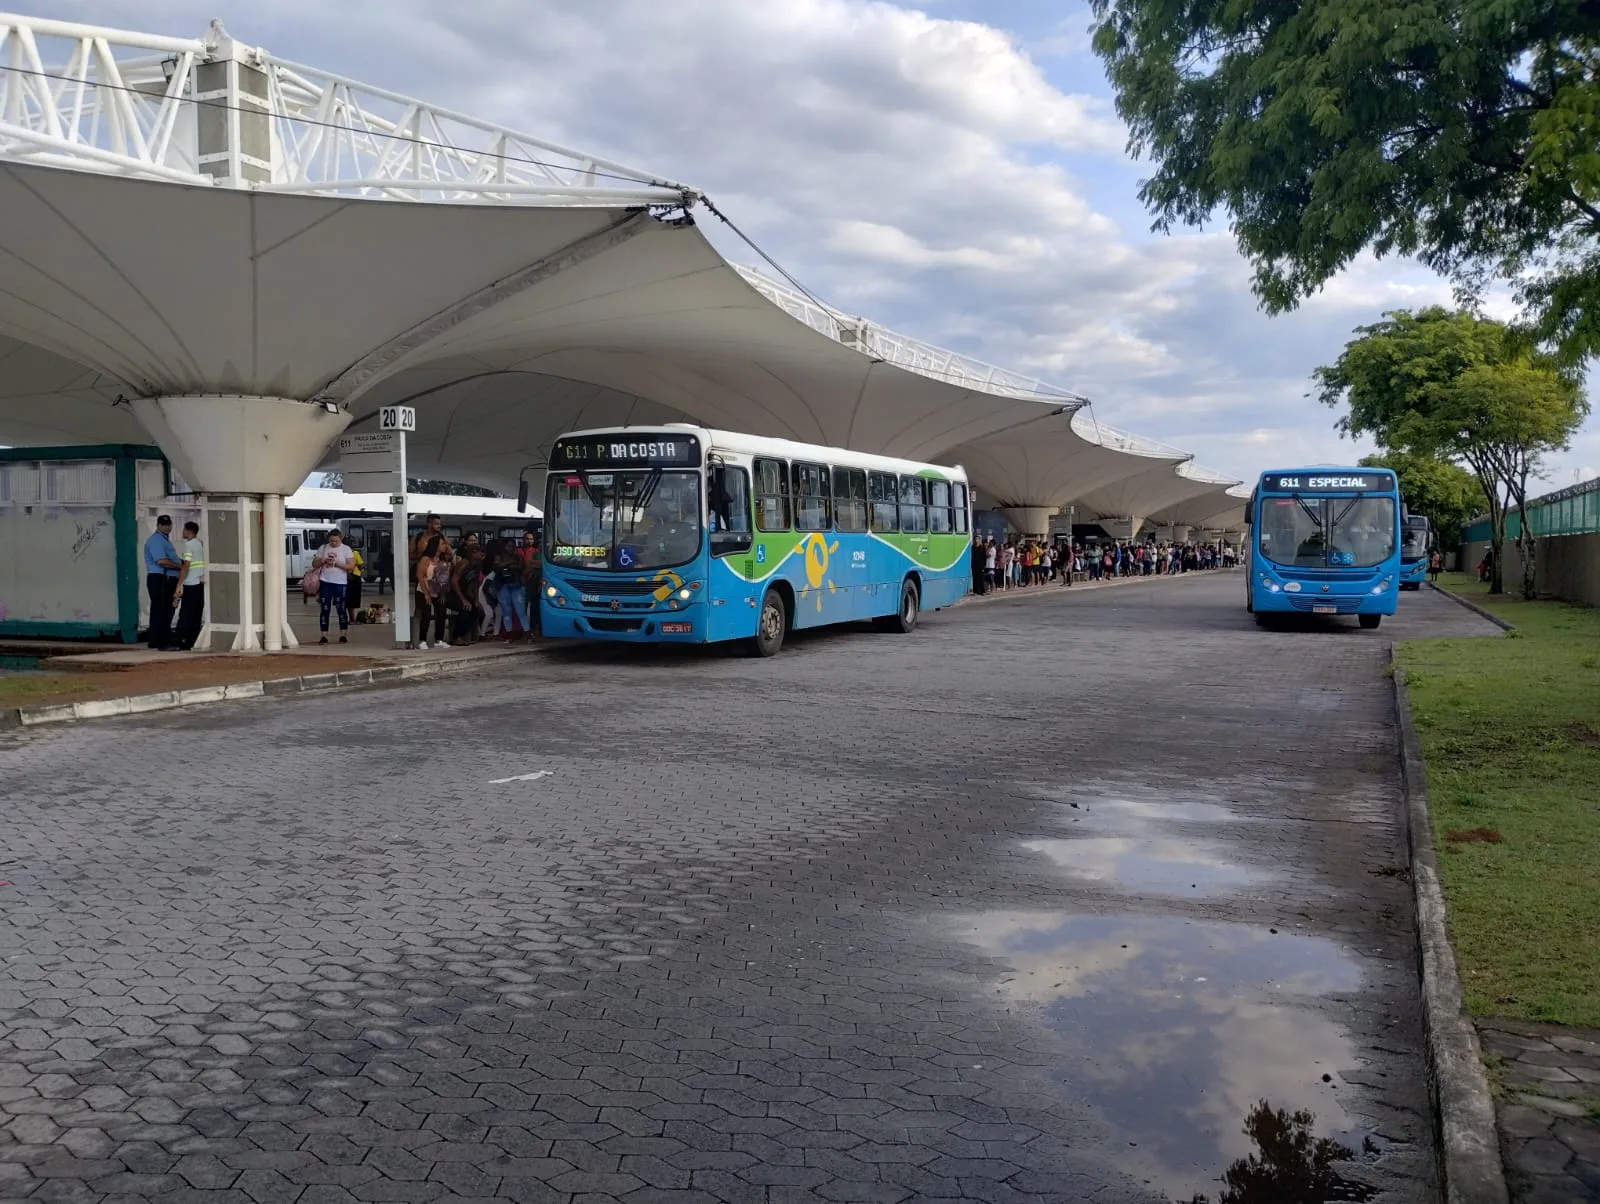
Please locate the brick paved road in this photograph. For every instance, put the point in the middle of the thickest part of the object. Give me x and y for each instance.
(1031, 905)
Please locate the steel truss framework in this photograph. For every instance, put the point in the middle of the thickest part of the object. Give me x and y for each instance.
(131, 103)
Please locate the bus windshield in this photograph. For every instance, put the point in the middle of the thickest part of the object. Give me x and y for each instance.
(1414, 537)
(626, 520)
(1327, 532)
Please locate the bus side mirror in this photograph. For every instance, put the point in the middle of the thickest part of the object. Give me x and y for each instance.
(522, 494)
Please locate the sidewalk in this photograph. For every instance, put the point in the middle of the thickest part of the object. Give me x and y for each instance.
(56, 675)
(1549, 1108)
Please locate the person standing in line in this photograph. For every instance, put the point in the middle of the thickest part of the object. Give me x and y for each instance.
(358, 567)
(191, 589)
(463, 596)
(518, 595)
(431, 526)
(161, 568)
(335, 559)
(385, 567)
(434, 570)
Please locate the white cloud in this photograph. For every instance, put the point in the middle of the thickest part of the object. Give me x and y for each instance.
(921, 171)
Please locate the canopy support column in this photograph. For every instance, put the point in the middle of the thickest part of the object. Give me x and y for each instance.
(1031, 522)
(243, 455)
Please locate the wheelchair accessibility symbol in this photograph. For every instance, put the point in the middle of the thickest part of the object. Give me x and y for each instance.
(761, 554)
(627, 557)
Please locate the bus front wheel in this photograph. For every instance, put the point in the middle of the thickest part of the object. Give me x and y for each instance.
(904, 620)
(772, 625)
(1368, 622)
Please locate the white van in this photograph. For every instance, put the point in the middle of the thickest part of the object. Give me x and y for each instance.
(300, 543)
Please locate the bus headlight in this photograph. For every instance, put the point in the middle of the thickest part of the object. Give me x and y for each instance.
(1272, 586)
(1291, 587)
(1382, 585)
(684, 594)
(551, 591)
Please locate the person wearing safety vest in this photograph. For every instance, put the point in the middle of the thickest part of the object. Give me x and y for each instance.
(191, 592)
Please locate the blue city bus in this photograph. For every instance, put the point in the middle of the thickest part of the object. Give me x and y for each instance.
(1416, 542)
(1324, 541)
(681, 534)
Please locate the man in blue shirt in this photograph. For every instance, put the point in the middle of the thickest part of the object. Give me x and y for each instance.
(161, 568)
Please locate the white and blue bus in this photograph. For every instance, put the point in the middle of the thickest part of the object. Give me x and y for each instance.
(1324, 541)
(687, 535)
(1416, 543)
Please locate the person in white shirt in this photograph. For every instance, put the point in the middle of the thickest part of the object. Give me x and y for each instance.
(191, 592)
(336, 561)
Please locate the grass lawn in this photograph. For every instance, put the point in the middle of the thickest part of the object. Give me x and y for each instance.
(1510, 730)
(36, 689)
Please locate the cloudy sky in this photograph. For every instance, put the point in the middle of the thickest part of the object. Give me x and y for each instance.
(953, 170)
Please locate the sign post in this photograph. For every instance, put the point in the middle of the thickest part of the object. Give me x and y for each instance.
(400, 419)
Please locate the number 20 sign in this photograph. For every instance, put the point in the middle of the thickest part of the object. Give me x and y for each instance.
(397, 418)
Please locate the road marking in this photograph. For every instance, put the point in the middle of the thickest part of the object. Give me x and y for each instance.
(523, 777)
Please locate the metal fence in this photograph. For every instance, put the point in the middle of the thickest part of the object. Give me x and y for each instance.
(1574, 510)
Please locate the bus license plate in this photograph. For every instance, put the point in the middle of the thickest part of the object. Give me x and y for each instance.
(1324, 610)
(676, 628)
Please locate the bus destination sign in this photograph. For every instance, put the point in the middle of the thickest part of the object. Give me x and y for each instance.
(1327, 482)
(643, 450)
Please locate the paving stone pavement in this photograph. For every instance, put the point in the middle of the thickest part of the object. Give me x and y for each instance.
(1548, 1109)
(1031, 905)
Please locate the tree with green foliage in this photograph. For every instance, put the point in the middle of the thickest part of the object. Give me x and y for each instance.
(1447, 493)
(1463, 132)
(1292, 1164)
(1450, 384)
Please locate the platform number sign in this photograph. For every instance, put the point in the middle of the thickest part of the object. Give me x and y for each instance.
(397, 418)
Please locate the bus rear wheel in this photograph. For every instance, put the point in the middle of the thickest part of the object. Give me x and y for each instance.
(1368, 622)
(771, 626)
(904, 620)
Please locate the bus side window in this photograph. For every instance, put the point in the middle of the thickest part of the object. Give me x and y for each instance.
(940, 521)
(812, 498)
(772, 495)
(884, 490)
(729, 505)
(913, 511)
(958, 500)
(849, 499)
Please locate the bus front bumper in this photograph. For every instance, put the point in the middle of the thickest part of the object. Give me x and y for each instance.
(656, 625)
(1307, 603)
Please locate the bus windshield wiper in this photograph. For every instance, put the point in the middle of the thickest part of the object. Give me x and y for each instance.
(1310, 512)
(647, 493)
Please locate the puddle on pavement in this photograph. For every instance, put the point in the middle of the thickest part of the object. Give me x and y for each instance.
(1147, 864)
(1175, 1030)
(1126, 810)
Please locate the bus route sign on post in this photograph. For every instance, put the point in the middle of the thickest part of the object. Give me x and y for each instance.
(400, 420)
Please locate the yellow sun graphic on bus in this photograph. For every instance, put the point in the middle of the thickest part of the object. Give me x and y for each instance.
(816, 550)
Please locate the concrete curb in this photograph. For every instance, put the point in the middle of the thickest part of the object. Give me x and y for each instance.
(171, 700)
(1474, 608)
(1469, 1144)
